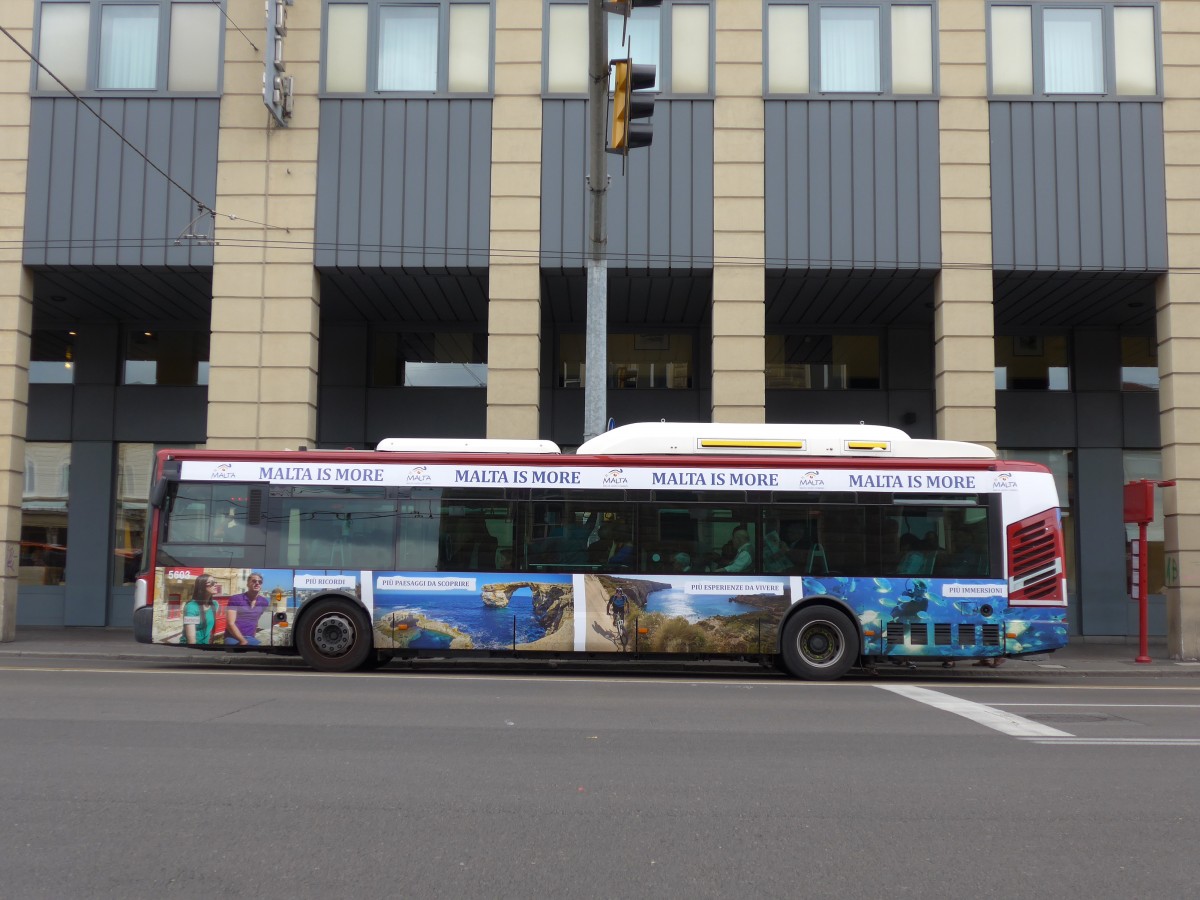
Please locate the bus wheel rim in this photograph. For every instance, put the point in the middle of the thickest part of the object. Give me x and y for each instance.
(820, 643)
(333, 634)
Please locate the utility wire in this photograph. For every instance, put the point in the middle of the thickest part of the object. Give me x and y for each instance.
(200, 204)
(217, 4)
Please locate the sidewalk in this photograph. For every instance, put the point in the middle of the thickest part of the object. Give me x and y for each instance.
(1084, 657)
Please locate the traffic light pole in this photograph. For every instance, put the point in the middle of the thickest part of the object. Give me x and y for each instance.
(596, 354)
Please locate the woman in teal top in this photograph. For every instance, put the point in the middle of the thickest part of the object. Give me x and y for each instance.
(200, 613)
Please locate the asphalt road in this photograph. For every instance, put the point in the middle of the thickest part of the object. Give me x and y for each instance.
(151, 780)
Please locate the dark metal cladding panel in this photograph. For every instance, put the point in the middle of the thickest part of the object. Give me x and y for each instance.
(1066, 176)
(1091, 236)
(1154, 162)
(403, 183)
(885, 218)
(854, 184)
(370, 199)
(1000, 128)
(1086, 182)
(929, 223)
(93, 200)
(908, 194)
(659, 210)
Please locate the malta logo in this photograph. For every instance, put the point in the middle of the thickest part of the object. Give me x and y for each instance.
(223, 472)
(1004, 481)
(811, 479)
(419, 475)
(615, 477)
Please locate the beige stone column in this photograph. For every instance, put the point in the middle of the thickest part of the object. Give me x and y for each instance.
(514, 273)
(1179, 325)
(739, 241)
(262, 390)
(963, 321)
(16, 298)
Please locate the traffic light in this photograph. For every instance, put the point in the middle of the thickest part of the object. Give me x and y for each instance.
(628, 134)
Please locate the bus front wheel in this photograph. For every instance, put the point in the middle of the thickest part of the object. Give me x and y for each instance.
(334, 636)
(819, 644)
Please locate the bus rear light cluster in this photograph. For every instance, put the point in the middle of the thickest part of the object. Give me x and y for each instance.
(1035, 561)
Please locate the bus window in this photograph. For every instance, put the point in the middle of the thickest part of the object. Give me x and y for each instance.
(726, 538)
(475, 535)
(334, 528)
(209, 523)
(938, 541)
(582, 534)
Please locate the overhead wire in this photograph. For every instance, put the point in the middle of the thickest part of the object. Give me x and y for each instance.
(200, 204)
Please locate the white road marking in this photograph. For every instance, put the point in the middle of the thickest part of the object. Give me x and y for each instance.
(1115, 742)
(1007, 723)
(1115, 705)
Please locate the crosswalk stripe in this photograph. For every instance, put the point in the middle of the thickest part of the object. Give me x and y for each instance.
(1005, 722)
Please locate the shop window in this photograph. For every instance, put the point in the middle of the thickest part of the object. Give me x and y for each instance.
(52, 357)
(660, 360)
(1057, 49)
(427, 47)
(884, 48)
(43, 554)
(1139, 363)
(429, 359)
(1032, 362)
(166, 357)
(823, 362)
(143, 46)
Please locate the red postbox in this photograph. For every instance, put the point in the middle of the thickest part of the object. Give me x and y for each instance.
(1139, 511)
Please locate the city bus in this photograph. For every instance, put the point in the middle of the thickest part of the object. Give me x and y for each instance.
(812, 548)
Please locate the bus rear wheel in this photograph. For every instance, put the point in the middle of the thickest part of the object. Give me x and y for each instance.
(819, 644)
(334, 636)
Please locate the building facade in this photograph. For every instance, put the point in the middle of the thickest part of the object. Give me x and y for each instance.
(971, 219)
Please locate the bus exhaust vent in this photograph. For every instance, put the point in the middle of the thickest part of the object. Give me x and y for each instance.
(941, 634)
(919, 634)
(1035, 561)
(991, 635)
(966, 635)
(895, 634)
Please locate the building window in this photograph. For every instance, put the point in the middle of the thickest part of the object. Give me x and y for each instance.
(1032, 362)
(650, 360)
(1139, 363)
(1060, 50)
(166, 357)
(428, 47)
(43, 557)
(52, 357)
(676, 39)
(823, 362)
(842, 48)
(429, 359)
(141, 46)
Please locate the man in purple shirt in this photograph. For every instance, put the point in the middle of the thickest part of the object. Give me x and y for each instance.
(243, 612)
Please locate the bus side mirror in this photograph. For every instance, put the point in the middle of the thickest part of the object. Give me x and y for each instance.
(158, 493)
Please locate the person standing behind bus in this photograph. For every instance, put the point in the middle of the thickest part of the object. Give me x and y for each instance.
(243, 612)
(200, 613)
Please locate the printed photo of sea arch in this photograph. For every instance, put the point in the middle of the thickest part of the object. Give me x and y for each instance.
(472, 611)
(686, 614)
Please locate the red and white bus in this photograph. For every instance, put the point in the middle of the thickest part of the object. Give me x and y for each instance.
(813, 547)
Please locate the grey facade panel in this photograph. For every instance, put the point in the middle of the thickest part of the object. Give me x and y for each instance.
(854, 184)
(659, 211)
(92, 200)
(404, 183)
(1078, 186)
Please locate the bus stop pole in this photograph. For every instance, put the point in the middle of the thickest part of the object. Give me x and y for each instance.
(1143, 593)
